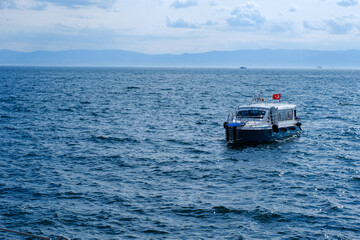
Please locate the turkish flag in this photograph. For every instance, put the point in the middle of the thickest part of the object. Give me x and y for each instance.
(277, 96)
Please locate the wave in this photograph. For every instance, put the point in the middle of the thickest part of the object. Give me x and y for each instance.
(114, 139)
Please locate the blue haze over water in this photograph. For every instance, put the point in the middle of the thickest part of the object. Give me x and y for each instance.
(123, 153)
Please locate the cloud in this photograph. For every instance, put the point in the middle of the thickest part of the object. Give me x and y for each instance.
(180, 23)
(15, 4)
(82, 3)
(280, 27)
(210, 23)
(66, 38)
(251, 5)
(339, 26)
(293, 8)
(246, 16)
(213, 4)
(184, 3)
(309, 26)
(347, 3)
(8, 4)
(42, 4)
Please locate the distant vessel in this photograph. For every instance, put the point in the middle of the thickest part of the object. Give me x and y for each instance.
(260, 121)
(243, 67)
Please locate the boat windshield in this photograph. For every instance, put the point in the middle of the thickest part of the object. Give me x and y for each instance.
(250, 114)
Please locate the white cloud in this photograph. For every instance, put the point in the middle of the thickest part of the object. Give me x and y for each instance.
(251, 4)
(280, 27)
(42, 4)
(8, 4)
(347, 3)
(180, 23)
(339, 26)
(246, 16)
(176, 26)
(22, 4)
(210, 23)
(82, 3)
(293, 8)
(312, 27)
(184, 3)
(214, 4)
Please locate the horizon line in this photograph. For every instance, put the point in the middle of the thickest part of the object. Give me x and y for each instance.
(184, 53)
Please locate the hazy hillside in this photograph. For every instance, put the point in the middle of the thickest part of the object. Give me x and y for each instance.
(247, 58)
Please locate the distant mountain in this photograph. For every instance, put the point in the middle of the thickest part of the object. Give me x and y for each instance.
(247, 58)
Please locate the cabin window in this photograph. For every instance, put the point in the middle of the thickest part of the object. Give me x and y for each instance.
(251, 114)
(241, 114)
(285, 115)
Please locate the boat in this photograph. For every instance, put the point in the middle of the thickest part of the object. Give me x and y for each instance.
(261, 121)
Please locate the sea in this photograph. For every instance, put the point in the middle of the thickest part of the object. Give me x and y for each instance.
(140, 153)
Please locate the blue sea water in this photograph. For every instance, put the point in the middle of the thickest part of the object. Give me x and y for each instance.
(140, 153)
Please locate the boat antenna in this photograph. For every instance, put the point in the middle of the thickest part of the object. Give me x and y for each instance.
(260, 97)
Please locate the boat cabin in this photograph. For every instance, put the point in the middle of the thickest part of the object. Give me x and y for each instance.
(266, 113)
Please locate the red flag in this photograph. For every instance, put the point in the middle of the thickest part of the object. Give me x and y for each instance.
(277, 96)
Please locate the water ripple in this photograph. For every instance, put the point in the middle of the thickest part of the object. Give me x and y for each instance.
(121, 153)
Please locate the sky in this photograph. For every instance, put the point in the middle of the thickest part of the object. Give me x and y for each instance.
(179, 26)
